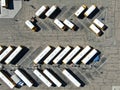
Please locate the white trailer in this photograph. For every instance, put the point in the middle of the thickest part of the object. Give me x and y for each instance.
(42, 78)
(7, 80)
(62, 54)
(6, 53)
(52, 55)
(81, 54)
(51, 11)
(89, 56)
(99, 24)
(4, 3)
(41, 10)
(80, 10)
(52, 78)
(17, 80)
(69, 24)
(23, 77)
(13, 55)
(71, 78)
(59, 24)
(90, 10)
(42, 54)
(95, 29)
(30, 25)
(71, 54)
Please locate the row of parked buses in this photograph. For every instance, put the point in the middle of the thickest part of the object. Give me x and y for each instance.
(46, 10)
(84, 11)
(98, 27)
(65, 24)
(66, 55)
(18, 79)
(47, 76)
(9, 53)
(11, 80)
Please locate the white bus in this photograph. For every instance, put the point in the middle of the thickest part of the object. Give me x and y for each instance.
(23, 77)
(42, 78)
(52, 78)
(89, 56)
(62, 54)
(13, 55)
(71, 78)
(80, 10)
(42, 54)
(6, 53)
(95, 29)
(30, 25)
(7, 79)
(90, 10)
(99, 24)
(81, 54)
(71, 54)
(4, 3)
(69, 24)
(59, 24)
(51, 11)
(52, 55)
(41, 10)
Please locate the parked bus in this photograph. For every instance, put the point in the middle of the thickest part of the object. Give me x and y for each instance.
(80, 10)
(4, 3)
(71, 78)
(41, 10)
(52, 55)
(23, 77)
(81, 54)
(62, 54)
(52, 78)
(69, 24)
(42, 54)
(30, 25)
(51, 11)
(42, 78)
(89, 56)
(90, 10)
(60, 24)
(6, 53)
(7, 79)
(99, 24)
(95, 29)
(71, 54)
(13, 55)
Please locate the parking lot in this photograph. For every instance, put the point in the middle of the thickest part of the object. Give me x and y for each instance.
(102, 75)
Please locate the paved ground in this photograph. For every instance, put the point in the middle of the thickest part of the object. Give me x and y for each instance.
(14, 32)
